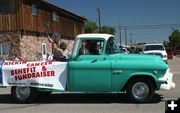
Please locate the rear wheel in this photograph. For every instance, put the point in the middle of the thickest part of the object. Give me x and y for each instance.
(24, 94)
(141, 90)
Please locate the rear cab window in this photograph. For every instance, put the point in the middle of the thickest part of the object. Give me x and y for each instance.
(91, 47)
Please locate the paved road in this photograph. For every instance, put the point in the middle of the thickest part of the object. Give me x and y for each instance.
(92, 103)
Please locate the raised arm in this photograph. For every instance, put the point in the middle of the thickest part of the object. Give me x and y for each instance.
(49, 38)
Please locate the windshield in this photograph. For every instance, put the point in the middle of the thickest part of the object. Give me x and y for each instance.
(112, 48)
(153, 47)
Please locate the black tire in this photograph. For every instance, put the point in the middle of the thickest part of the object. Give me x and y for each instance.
(145, 87)
(24, 94)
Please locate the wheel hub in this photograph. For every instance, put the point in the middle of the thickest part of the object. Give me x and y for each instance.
(23, 92)
(140, 90)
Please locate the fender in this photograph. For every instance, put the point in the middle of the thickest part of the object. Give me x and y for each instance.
(143, 74)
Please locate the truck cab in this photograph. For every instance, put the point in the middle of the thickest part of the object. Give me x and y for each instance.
(92, 71)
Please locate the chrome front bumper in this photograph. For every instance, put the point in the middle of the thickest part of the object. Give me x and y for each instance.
(167, 82)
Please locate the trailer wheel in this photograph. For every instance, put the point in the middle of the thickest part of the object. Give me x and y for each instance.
(24, 94)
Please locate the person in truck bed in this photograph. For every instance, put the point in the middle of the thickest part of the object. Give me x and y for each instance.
(57, 53)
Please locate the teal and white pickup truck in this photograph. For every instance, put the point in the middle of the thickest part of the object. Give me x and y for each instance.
(103, 69)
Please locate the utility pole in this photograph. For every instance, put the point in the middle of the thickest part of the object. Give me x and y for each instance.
(131, 38)
(99, 18)
(120, 34)
(125, 37)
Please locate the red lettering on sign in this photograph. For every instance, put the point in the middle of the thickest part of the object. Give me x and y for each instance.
(34, 75)
(14, 63)
(24, 76)
(44, 68)
(52, 73)
(23, 71)
(12, 72)
(39, 64)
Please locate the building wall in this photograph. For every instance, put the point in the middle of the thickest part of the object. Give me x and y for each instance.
(12, 39)
(12, 19)
(19, 17)
(67, 24)
(31, 46)
(28, 45)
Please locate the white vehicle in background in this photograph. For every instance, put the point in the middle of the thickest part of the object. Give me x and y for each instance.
(155, 49)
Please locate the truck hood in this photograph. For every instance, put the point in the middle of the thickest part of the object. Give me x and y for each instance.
(140, 57)
(141, 61)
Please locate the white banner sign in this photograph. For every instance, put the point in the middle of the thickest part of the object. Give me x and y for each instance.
(40, 74)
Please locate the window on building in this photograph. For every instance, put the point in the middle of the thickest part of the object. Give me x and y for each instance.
(55, 16)
(4, 49)
(4, 6)
(34, 9)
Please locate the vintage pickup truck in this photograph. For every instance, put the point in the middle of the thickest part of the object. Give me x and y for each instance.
(103, 70)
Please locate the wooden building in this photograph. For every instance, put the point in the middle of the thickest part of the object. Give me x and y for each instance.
(24, 24)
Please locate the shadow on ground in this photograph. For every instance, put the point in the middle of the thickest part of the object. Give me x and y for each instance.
(79, 99)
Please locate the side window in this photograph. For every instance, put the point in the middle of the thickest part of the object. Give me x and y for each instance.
(111, 47)
(55, 16)
(91, 47)
(34, 10)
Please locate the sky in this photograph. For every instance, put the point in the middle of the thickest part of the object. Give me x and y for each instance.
(129, 13)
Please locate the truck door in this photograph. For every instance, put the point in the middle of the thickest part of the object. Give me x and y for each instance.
(92, 73)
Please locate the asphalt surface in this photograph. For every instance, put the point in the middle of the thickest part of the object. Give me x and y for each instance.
(92, 103)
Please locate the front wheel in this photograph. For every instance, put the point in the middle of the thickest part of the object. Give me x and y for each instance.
(141, 90)
(24, 94)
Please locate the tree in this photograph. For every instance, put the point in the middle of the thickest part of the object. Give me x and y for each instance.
(108, 29)
(174, 39)
(166, 43)
(90, 27)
